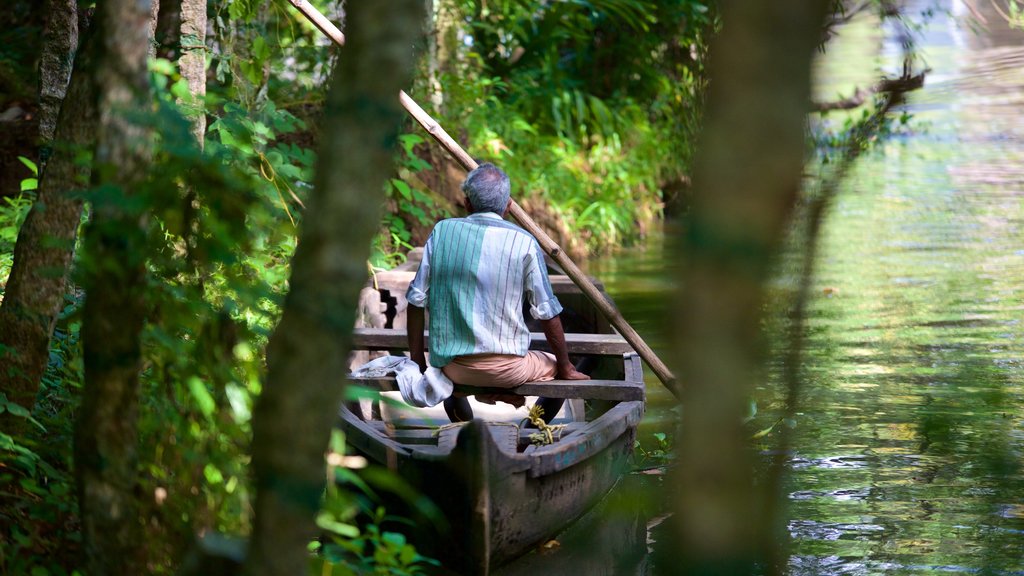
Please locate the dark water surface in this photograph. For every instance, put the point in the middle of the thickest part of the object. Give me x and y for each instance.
(908, 448)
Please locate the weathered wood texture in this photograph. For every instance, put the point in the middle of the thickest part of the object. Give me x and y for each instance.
(582, 344)
(587, 442)
(295, 412)
(443, 436)
(585, 389)
(500, 504)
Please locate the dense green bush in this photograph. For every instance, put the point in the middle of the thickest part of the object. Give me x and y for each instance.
(592, 106)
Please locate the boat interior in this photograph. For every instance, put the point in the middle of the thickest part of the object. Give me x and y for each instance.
(381, 329)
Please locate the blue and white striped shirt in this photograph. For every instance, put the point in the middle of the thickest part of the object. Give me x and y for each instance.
(476, 272)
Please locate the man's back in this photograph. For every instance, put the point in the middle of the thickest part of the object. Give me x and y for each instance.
(475, 274)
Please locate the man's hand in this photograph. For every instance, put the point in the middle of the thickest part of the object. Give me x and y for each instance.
(556, 339)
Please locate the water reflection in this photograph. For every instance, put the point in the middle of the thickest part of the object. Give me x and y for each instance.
(908, 446)
(909, 442)
(908, 451)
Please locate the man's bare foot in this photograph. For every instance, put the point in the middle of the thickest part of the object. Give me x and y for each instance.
(571, 373)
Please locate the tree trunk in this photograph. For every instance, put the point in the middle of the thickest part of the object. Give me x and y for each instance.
(42, 255)
(307, 355)
(113, 276)
(747, 178)
(60, 41)
(154, 16)
(192, 62)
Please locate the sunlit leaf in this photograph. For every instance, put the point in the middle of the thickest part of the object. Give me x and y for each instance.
(202, 396)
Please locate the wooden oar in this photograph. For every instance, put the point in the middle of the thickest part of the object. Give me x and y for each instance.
(517, 212)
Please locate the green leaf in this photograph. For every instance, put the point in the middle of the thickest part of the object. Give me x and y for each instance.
(212, 474)
(402, 188)
(180, 90)
(29, 184)
(408, 554)
(260, 50)
(395, 538)
(30, 165)
(202, 396)
(161, 66)
(327, 522)
(766, 431)
(18, 410)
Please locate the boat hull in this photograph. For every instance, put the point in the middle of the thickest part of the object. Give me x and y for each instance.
(500, 504)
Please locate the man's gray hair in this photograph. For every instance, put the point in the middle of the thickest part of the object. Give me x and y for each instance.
(488, 189)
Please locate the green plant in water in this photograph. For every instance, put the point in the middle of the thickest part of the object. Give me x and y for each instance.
(659, 455)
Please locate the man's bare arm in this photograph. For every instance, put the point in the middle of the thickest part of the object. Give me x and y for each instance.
(556, 340)
(414, 332)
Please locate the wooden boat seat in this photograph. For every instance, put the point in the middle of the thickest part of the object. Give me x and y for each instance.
(398, 279)
(617, 390)
(578, 344)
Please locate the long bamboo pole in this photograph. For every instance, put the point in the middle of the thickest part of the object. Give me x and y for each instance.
(546, 243)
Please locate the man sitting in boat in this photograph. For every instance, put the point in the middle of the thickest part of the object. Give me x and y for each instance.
(474, 276)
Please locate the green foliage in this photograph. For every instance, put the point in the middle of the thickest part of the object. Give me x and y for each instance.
(352, 519)
(222, 233)
(369, 551)
(592, 106)
(13, 211)
(411, 204)
(834, 137)
(1014, 13)
(38, 511)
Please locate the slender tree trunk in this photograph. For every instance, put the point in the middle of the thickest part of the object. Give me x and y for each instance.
(747, 178)
(42, 255)
(154, 17)
(192, 62)
(433, 40)
(113, 276)
(307, 354)
(60, 42)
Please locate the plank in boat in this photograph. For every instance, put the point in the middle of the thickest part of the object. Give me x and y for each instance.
(578, 344)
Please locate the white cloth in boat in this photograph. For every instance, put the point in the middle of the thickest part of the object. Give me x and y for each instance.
(420, 390)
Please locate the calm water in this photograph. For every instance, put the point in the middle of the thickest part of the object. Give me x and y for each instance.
(909, 442)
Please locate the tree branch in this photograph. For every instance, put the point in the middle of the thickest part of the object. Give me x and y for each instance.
(894, 86)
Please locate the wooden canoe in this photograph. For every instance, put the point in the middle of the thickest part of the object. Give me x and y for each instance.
(501, 495)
